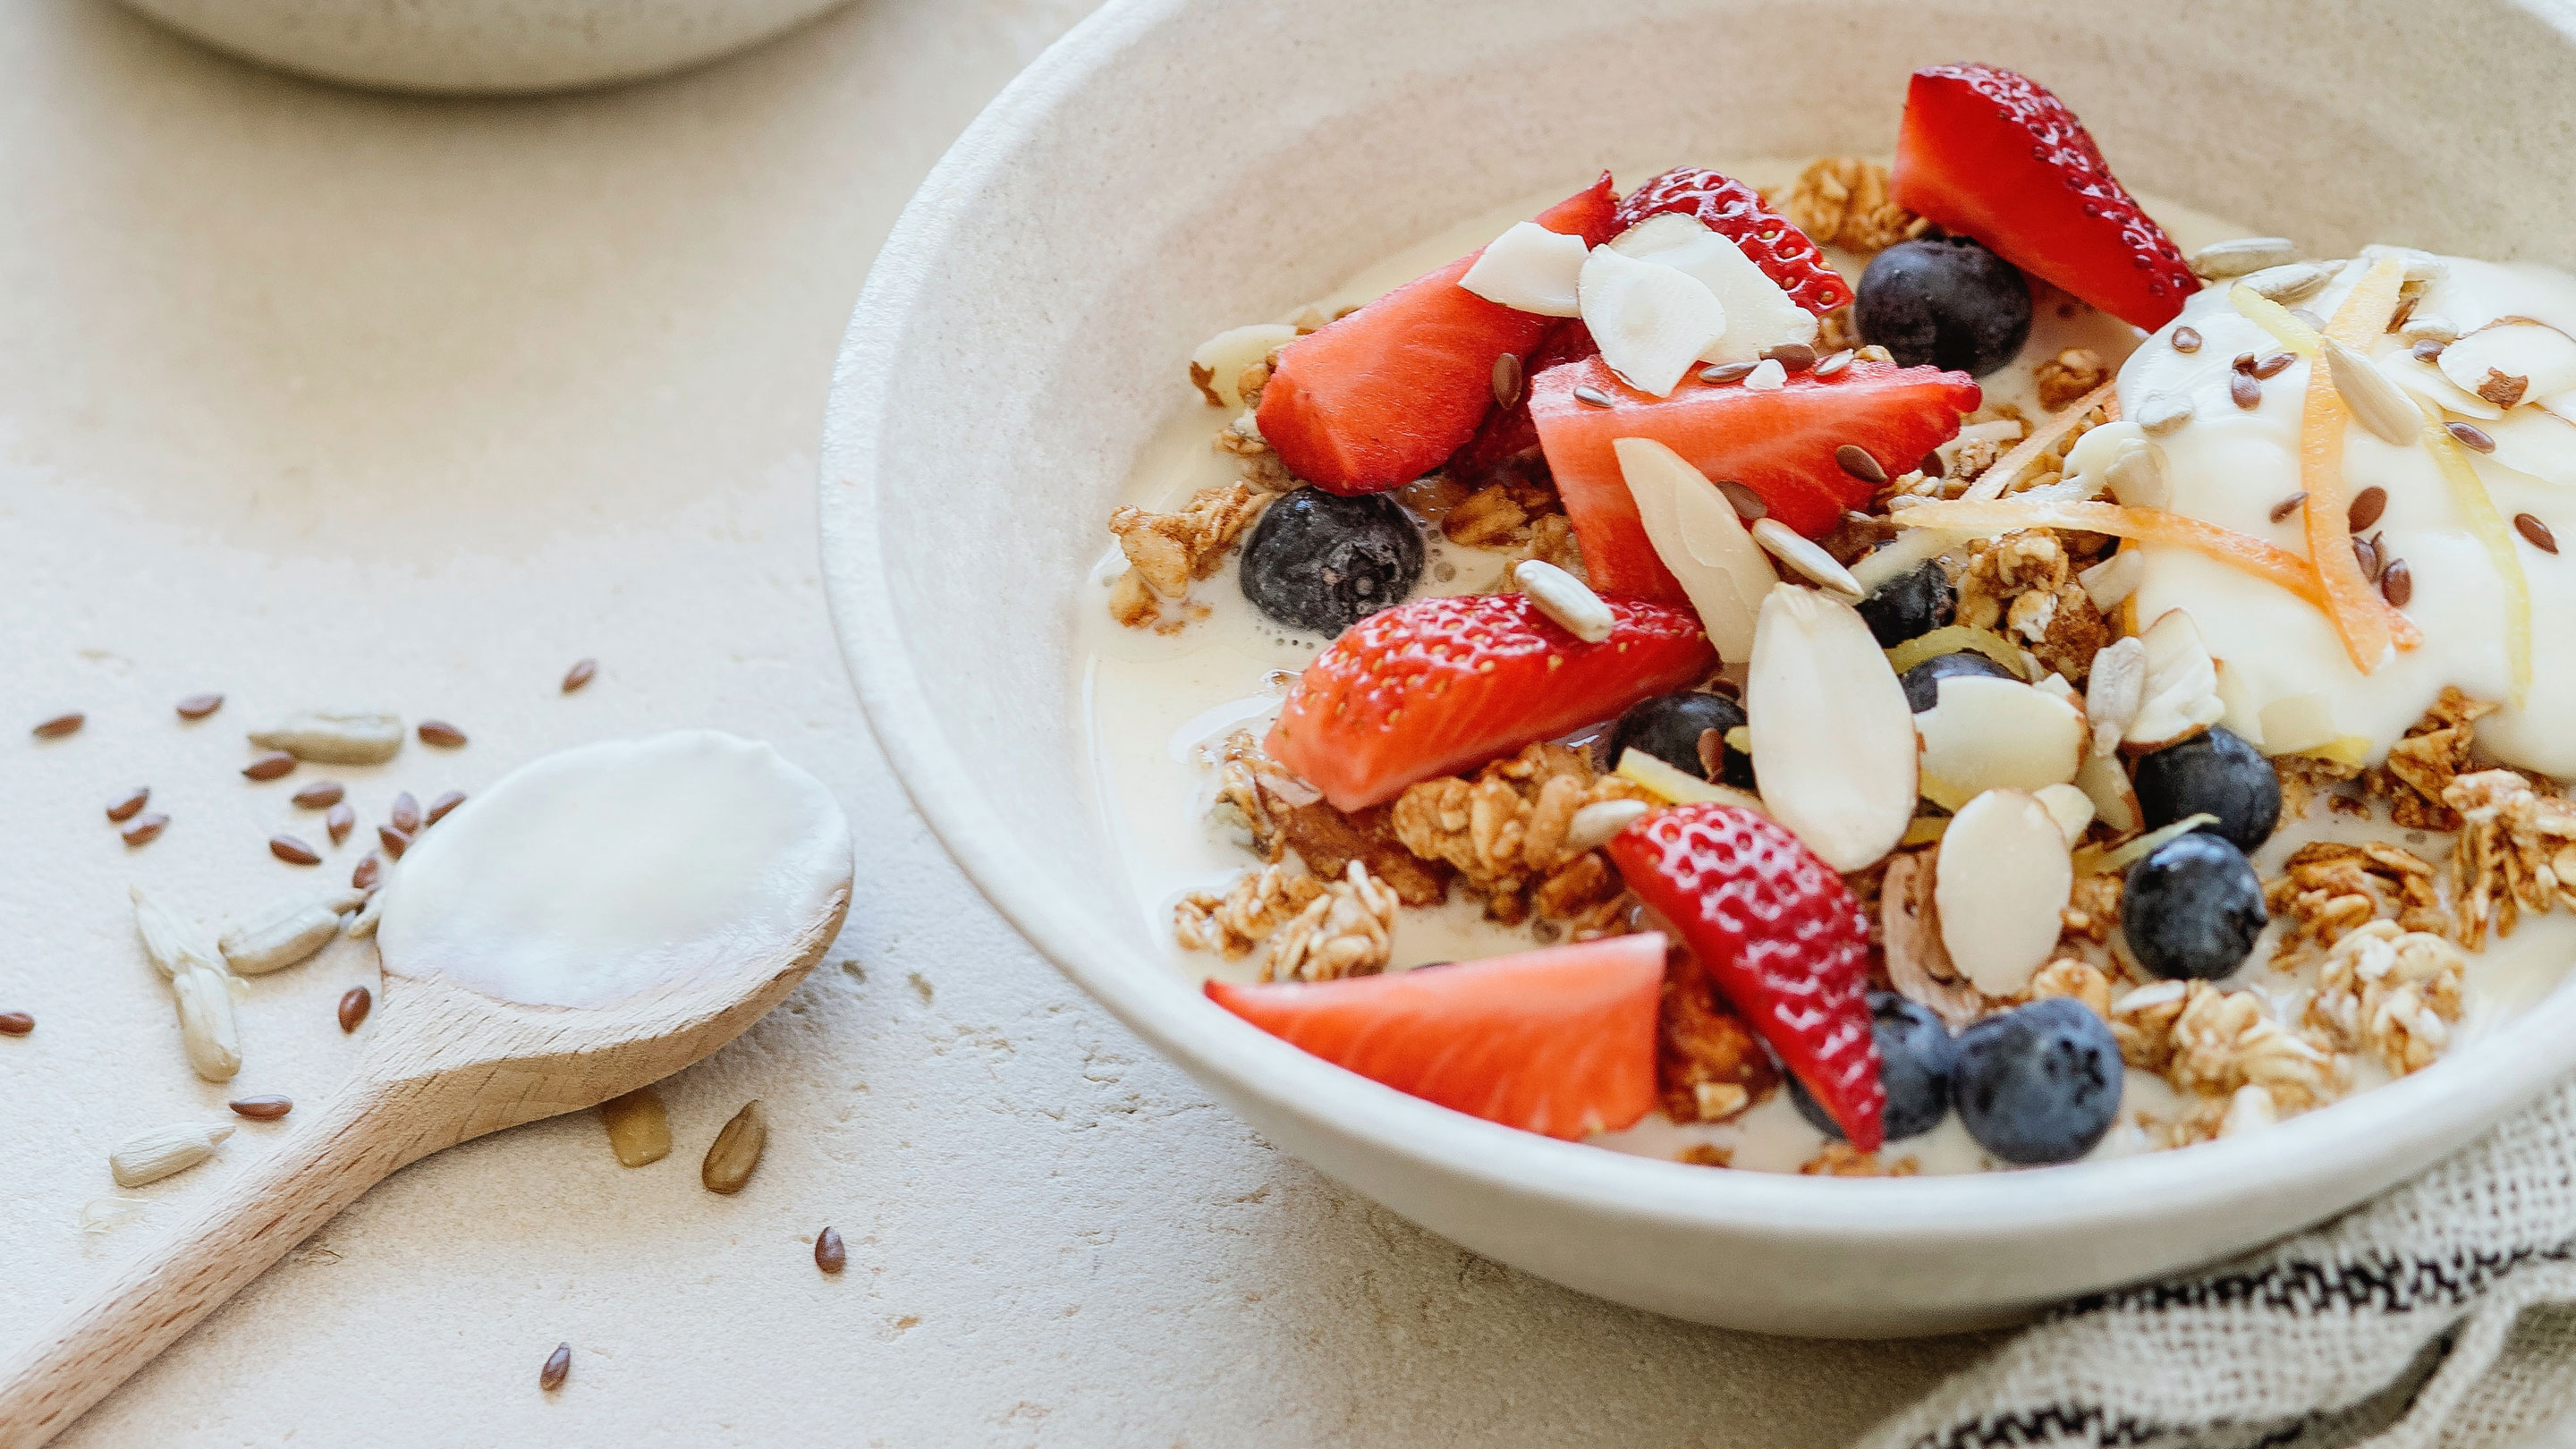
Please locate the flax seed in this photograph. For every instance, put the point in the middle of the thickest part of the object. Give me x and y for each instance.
(2282, 510)
(19, 1023)
(2244, 362)
(582, 669)
(144, 829)
(394, 841)
(371, 869)
(59, 726)
(830, 1254)
(1793, 356)
(405, 814)
(263, 1109)
(1507, 391)
(321, 794)
(293, 851)
(439, 807)
(2471, 436)
(558, 1364)
(198, 706)
(2397, 583)
(129, 805)
(2186, 339)
(2244, 391)
(2368, 554)
(1749, 505)
(354, 1004)
(2536, 532)
(269, 766)
(2367, 505)
(340, 820)
(1856, 461)
(2270, 366)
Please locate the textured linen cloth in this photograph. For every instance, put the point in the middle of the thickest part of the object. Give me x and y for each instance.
(2441, 1316)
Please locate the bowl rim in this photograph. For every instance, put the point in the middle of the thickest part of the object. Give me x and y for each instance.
(2418, 1118)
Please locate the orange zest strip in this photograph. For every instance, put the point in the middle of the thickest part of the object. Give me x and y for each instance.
(2275, 566)
(1992, 482)
(2365, 620)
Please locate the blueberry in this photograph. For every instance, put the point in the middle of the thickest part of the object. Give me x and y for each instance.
(1911, 604)
(1947, 302)
(2192, 907)
(2216, 772)
(1321, 562)
(1668, 727)
(2038, 1083)
(1923, 681)
(1915, 1055)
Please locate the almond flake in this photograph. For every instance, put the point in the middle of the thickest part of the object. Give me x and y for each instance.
(1831, 727)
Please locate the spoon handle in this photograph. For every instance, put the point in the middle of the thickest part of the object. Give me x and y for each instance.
(251, 1221)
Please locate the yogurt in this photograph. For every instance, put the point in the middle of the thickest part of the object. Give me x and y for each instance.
(2232, 466)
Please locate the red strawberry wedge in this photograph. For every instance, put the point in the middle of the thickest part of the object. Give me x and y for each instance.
(1559, 1041)
(1990, 153)
(1779, 933)
(1441, 684)
(1508, 436)
(1735, 211)
(1781, 444)
(1386, 394)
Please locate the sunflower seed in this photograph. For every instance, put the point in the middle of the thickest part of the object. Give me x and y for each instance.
(558, 1364)
(144, 829)
(1592, 397)
(206, 1028)
(440, 733)
(1749, 505)
(639, 1130)
(171, 943)
(16, 1023)
(363, 924)
(1598, 821)
(285, 932)
(148, 1157)
(59, 726)
(1831, 363)
(1725, 372)
(2186, 339)
(1507, 391)
(1806, 557)
(394, 841)
(829, 1253)
(354, 1005)
(262, 1109)
(319, 795)
(293, 851)
(2531, 528)
(334, 737)
(2292, 282)
(2164, 413)
(2375, 402)
(1856, 461)
(270, 766)
(340, 820)
(2238, 256)
(2244, 391)
(405, 814)
(439, 807)
(129, 805)
(1794, 356)
(2397, 583)
(2471, 436)
(198, 706)
(2282, 510)
(1565, 599)
(736, 1151)
(582, 669)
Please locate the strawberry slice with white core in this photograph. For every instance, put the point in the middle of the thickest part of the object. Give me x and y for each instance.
(1559, 1041)
(1437, 685)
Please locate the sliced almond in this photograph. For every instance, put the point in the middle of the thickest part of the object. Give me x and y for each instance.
(2493, 359)
(1830, 727)
(1223, 358)
(2004, 876)
(1986, 734)
(1918, 965)
(2115, 691)
(1806, 557)
(2070, 807)
(2376, 403)
(2105, 782)
(2181, 690)
(2542, 444)
(2427, 382)
(2561, 407)
(1530, 269)
(1759, 315)
(2109, 583)
(1651, 321)
(1697, 534)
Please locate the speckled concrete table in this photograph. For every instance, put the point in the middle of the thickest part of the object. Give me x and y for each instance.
(316, 397)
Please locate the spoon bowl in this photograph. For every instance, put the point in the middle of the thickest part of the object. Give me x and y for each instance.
(549, 946)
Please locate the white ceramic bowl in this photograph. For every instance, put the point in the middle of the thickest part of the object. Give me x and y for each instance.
(1173, 167)
(481, 46)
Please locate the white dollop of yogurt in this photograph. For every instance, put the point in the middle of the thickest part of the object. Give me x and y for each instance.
(2232, 466)
(608, 868)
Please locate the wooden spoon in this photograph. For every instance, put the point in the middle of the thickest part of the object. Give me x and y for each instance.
(747, 844)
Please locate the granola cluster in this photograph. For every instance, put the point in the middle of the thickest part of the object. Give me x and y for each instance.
(1843, 201)
(2516, 851)
(1347, 930)
(2327, 889)
(2422, 766)
(2211, 1042)
(1279, 813)
(1841, 1159)
(2068, 376)
(1709, 1066)
(2390, 991)
(1165, 551)
(2023, 586)
(1508, 833)
(1233, 921)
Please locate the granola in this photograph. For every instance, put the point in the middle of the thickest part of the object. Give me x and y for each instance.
(1843, 201)
(2068, 376)
(2329, 888)
(2222, 1040)
(1232, 922)
(1281, 813)
(1165, 551)
(1348, 930)
(1841, 1159)
(1709, 1067)
(2421, 766)
(1504, 830)
(2023, 586)
(2391, 991)
(2516, 850)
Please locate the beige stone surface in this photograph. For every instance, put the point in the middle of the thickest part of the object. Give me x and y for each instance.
(322, 398)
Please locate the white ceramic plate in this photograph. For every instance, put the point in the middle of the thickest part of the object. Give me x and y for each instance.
(1175, 166)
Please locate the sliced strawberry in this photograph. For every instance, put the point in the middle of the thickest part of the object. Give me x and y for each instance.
(1987, 152)
(1382, 396)
(1438, 685)
(1781, 444)
(1735, 211)
(1779, 933)
(1509, 436)
(1559, 1040)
